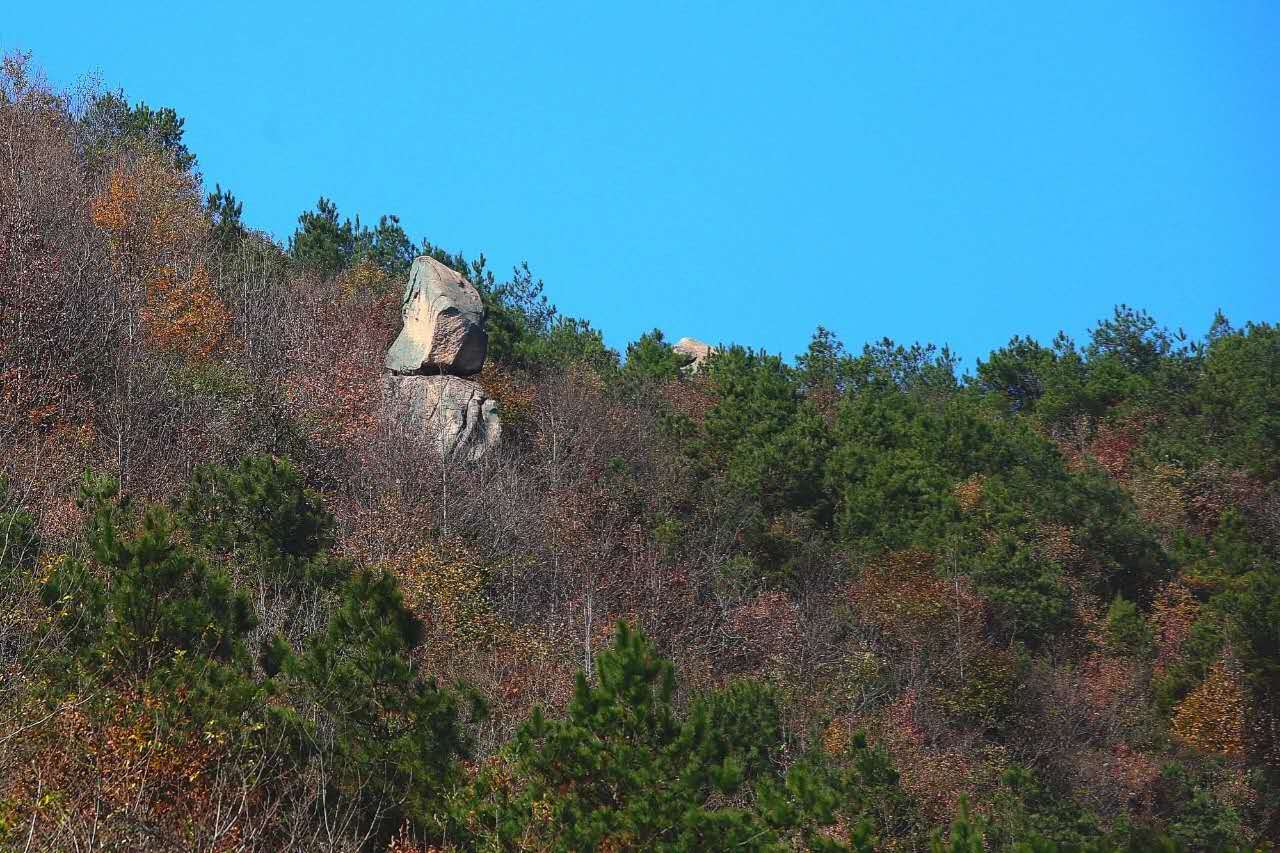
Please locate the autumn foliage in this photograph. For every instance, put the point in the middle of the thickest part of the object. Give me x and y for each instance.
(837, 603)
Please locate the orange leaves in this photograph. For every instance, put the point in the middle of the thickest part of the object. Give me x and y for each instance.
(32, 333)
(1212, 717)
(446, 585)
(903, 595)
(690, 396)
(113, 208)
(936, 776)
(968, 493)
(185, 316)
(332, 386)
(1110, 686)
(157, 226)
(1159, 495)
(151, 211)
(115, 767)
(1135, 773)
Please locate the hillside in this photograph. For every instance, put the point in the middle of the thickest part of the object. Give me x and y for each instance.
(855, 602)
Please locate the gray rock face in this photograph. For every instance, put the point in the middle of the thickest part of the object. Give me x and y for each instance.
(447, 413)
(695, 349)
(443, 324)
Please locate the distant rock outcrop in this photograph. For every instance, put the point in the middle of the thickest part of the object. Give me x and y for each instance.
(443, 324)
(450, 414)
(442, 340)
(696, 350)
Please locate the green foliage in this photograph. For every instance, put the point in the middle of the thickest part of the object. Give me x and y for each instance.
(1238, 397)
(1127, 631)
(621, 768)
(386, 246)
(110, 126)
(224, 214)
(144, 609)
(393, 738)
(321, 243)
(771, 445)
(1108, 529)
(147, 611)
(325, 245)
(568, 342)
(1255, 612)
(1133, 338)
(1026, 591)
(1202, 646)
(896, 461)
(966, 835)
(922, 370)
(261, 512)
(859, 786)
(1199, 820)
(19, 543)
(1019, 372)
(651, 359)
(1027, 812)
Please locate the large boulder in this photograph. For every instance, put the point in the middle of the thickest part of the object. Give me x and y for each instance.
(448, 413)
(696, 350)
(443, 324)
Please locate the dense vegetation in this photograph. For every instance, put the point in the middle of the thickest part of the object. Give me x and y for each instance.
(855, 602)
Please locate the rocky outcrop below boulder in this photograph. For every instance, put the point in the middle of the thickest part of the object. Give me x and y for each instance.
(695, 349)
(443, 324)
(447, 413)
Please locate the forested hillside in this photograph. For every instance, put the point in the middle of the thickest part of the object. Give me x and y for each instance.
(856, 602)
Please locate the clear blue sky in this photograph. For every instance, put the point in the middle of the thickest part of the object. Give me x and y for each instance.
(745, 171)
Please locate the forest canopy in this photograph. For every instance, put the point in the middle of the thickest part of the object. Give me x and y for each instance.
(859, 600)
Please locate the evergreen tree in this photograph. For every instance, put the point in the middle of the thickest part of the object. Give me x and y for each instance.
(391, 739)
(224, 213)
(322, 243)
(621, 769)
(650, 359)
(109, 126)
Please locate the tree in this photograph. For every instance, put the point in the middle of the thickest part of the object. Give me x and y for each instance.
(622, 771)
(387, 246)
(1239, 397)
(166, 617)
(111, 126)
(650, 358)
(1132, 337)
(224, 215)
(321, 243)
(390, 741)
(1019, 372)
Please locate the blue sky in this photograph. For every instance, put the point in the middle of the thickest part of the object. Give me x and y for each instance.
(745, 171)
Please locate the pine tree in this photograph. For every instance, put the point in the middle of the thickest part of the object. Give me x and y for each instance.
(620, 771)
(390, 739)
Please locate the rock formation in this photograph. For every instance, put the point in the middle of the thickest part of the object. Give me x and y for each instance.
(450, 414)
(443, 320)
(696, 350)
(443, 339)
